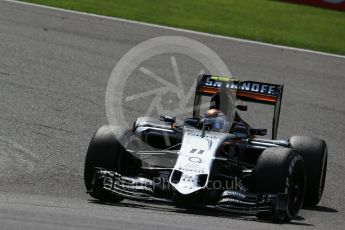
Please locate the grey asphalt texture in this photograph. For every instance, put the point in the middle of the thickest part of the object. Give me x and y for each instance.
(54, 68)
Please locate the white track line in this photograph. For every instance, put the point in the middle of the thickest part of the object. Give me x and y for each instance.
(179, 30)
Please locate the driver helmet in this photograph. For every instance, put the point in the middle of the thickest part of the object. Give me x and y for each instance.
(217, 119)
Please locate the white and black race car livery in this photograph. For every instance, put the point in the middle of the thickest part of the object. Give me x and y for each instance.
(213, 159)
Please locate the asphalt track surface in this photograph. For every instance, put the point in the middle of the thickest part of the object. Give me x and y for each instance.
(54, 68)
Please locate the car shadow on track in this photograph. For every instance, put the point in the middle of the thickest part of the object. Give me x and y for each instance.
(321, 209)
(194, 211)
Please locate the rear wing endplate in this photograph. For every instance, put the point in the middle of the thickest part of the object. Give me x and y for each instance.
(257, 92)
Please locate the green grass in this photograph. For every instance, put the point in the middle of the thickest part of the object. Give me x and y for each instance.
(261, 20)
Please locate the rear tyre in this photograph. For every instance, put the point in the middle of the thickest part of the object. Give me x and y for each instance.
(314, 153)
(106, 151)
(281, 170)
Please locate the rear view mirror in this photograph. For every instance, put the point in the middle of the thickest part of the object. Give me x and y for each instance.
(242, 107)
(258, 132)
(167, 118)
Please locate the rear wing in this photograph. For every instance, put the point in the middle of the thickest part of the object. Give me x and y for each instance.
(258, 92)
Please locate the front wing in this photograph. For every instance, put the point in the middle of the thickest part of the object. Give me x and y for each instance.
(139, 188)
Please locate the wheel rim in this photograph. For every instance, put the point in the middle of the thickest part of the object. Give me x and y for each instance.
(323, 175)
(296, 191)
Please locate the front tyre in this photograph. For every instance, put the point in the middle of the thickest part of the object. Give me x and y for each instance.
(281, 170)
(314, 153)
(105, 151)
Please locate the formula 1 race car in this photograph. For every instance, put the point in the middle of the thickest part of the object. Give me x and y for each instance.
(213, 159)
